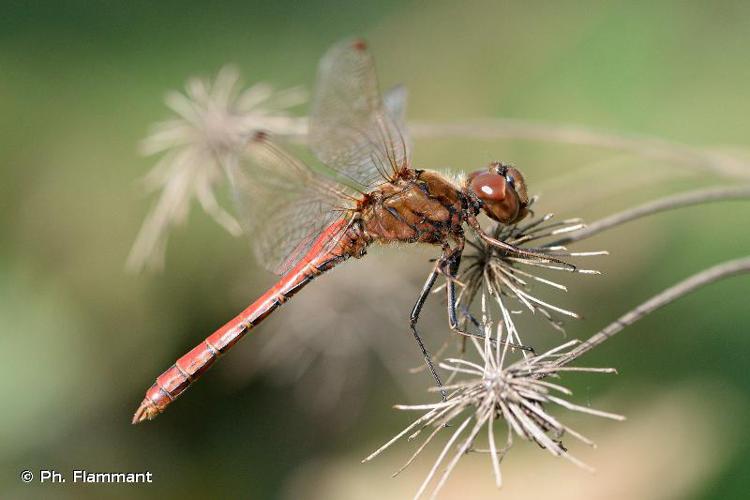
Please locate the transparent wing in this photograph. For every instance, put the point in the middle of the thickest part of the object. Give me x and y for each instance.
(283, 205)
(351, 130)
(394, 101)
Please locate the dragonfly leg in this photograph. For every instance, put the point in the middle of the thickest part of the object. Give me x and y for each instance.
(414, 317)
(480, 335)
(453, 261)
(511, 249)
(474, 321)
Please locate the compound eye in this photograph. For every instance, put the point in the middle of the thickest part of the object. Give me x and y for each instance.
(510, 179)
(489, 187)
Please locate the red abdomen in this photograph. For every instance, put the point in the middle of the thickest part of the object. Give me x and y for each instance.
(173, 382)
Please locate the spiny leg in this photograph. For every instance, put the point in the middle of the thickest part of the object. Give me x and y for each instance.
(465, 311)
(414, 317)
(448, 265)
(480, 335)
(453, 261)
(516, 250)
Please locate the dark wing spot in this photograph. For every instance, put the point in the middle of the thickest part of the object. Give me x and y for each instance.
(260, 136)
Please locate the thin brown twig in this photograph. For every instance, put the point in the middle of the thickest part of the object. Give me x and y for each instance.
(651, 147)
(699, 280)
(726, 164)
(680, 200)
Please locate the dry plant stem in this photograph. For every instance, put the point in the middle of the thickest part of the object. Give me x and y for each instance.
(651, 147)
(710, 275)
(725, 164)
(668, 203)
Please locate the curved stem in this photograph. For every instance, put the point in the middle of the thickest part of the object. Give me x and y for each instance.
(651, 147)
(668, 203)
(726, 164)
(701, 279)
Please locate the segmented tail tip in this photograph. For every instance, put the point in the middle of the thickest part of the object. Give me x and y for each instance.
(146, 411)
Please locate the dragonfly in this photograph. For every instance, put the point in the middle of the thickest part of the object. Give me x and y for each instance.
(304, 221)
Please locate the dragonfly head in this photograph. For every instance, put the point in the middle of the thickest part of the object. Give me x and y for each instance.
(501, 189)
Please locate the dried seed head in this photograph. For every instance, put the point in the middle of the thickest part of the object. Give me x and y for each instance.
(213, 123)
(485, 392)
(509, 279)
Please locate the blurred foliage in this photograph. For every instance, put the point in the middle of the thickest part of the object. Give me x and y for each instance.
(81, 339)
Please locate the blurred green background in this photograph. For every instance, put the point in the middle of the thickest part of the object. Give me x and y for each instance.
(81, 339)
